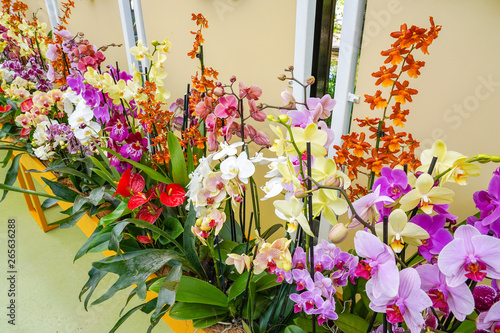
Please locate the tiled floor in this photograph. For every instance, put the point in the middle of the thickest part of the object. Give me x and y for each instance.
(48, 282)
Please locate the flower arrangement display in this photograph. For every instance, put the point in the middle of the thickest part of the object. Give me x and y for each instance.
(183, 216)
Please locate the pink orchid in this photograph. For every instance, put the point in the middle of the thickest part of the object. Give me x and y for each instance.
(255, 113)
(470, 255)
(408, 303)
(366, 208)
(204, 108)
(227, 106)
(490, 320)
(252, 92)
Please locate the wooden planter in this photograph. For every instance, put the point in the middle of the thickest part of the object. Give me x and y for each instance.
(87, 223)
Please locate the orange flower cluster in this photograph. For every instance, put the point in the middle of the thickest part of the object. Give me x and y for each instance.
(157, 122)
(66, 10)
(385, 146)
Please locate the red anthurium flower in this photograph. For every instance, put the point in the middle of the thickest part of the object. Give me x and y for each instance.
(1, 91)
(137, 200)
(5, 108)
(173, 196)
(154, 192)
(145, 239)
(27, 105)
(130, 184)
(149, 213)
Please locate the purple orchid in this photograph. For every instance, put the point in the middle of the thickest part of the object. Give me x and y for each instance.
(470, 255)
(439, 236)
(406, 305)
(303, 279)
(299, 258)
(117, 127)
(135, 146)
(283, 275)
(307, 301)
(326, 311)
(490, 320)
(393, 183)
(488, 203)
(379, 264)
(324, 284)
(484, 298)
(458, 299)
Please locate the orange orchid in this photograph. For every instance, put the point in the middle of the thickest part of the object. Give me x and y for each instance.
(413, 67)
(376, 101)
(385, 76)
(394, 55)
(403, 93)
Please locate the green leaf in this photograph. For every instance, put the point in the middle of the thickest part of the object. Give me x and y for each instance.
(10, 177)
(94, 197)
(269, 232)
(294, 329)
(134, 268)
(206, 322)
(168, 289)
(173, 227)
(147, 170)
(127, 315)
(22, 190)
(69, 221)
(154, 228)
(193, 311)
(99, 230)
(306, 325)
(179, 170)
(65, 170)
(7, 158)
(350, 323)
(121, 210)
(193, 290)
(105, 159)
(116, 236)
(238, 287)
(95, 276)
(104, 176)
(61, 191)
(266, 282)
(189, 242)
(49, 202)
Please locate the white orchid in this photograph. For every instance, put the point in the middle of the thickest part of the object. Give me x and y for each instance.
(240, 167)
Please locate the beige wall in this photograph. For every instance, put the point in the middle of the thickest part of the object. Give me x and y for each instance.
(459, 90)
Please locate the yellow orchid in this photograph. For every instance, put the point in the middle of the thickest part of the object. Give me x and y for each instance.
(165, 46)
(325, 169)
(288, 173)
(452, 162)
(279, 144)
(400, 231)
(140, 51)
(311, 134)
(240, 261)
(426, 195)
(120, 90)
(292, 212)
(329, 204)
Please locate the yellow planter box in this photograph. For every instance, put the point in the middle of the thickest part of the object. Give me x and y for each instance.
(87, 223)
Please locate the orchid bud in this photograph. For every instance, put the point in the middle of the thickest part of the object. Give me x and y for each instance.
(282, 77)
(300, 192)
(283, 118)
(155, 43)
(290, 68)
(310, 80)
(334, 181)
(495, 158)
(270, 117)
(218, 91)
(233, 79)
(338, 233)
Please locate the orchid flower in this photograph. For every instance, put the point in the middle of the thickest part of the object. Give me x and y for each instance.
(240, 167)
(366, 207)
(280, 144)
(425, 195)
(379, 265)
(325, 169)
(459, 299)
(311, 134)
(227, 150)
(328, 204)
(292, 212)
(406, 305)
(240, 261)
(470, 255)
(490, 320)
(400, 231)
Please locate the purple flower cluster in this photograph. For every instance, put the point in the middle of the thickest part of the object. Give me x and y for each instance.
(332, 267)
(488, 203)
(31, 71)
(62, 135)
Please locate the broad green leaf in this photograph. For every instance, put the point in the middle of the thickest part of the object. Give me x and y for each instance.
(99, 231)
(12, 147)
(22, 190)
(134, 268)
(105, 158)
(189, 240)
(294, 329)
(306, 325)
(7, 158)
(154, 228)
(121, 210)
(65, 170)
(173, 227)
(61, 191)
(350, 323)
(104, 176)
(127, 315)
(49, 202)
(266, 282)
(238, 287)
(95, 276)
(10, 177)
(168, 289)
(206, 322)
(193, 290)
(94, 197)
(69, 221)
(116, 236)
(103, 169)
(179, 169)
(133, 293)
(193, 311)
(147, 170)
